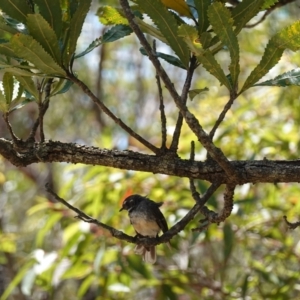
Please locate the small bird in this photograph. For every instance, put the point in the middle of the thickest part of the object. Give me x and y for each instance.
(147, 220)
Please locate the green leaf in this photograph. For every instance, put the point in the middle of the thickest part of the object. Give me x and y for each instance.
(7, 50)
(270, 58)
(51, 221)
(268, 4)
(8, 87)
(167, 24)
(28, 85)
(20, 103)
(202, 6)
(244, 12)
(115, 33)
(149, 29)
(109, 15)
(51, 11)
(61, 86)
(3, 105)
(228, 241)
(168, 58)
(286, 79)
(190, 36)
(6, 32)
(17, 279)
(221, 21)
(195, 92)
(75, 28)
(15, 70)
(91, 47)
(17, 9)
(29, 49)
(287, 38)
(41, 31)
(212, 66)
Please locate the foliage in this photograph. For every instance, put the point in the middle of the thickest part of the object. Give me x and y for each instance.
(54, 256)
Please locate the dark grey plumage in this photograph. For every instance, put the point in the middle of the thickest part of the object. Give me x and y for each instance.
(147, 220)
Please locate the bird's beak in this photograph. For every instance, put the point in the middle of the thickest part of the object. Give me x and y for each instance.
(121, 209)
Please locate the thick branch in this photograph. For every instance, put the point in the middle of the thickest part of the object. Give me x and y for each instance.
(260, 171)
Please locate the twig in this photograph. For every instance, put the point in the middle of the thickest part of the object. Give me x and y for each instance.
(106, 110)
(161, 108)
(184, 95)
(291, 225)
(222, 115)
(43, 106)
(84, 217)
(190, 119)
(13, 136)
(140, 240)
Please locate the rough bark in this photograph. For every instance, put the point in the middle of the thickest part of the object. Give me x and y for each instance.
(256, 171)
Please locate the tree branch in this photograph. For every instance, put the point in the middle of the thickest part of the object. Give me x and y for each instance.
(105, 109)
(190, 119)
(250, 171)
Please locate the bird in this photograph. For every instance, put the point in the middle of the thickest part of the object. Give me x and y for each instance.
(147, 220)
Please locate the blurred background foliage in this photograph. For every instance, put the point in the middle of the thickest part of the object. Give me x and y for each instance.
(47, 254)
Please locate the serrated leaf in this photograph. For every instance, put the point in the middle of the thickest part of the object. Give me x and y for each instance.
(115, 33)
(6, 50)
(205, 39)
(195, 92)
(149, 29)
(202, 6)
(41, 31)
(29, 49)
(28, 85)
(6, 32)
(52, 13)
(109, 15)
(8, 87)
(270, 58)
(244, 12)
(17, 9)
(286, 79)
(221, 21)
(168, 58)
(268, 3)
(179, 6)
(190, 36)
(75, 29)
(167, 24)
(212, 66)
(289, 37)
(14, 70)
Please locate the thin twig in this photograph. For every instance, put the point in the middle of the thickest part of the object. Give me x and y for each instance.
(166, 237)
(291, 225)
(184, 96)
(43, 106)
(222, 115)
(13, 136)
(161, 108)
(106, 110)
(190, 119)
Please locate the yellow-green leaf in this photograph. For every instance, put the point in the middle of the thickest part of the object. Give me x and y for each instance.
(28, 48)
(221, 21)
(41, 31)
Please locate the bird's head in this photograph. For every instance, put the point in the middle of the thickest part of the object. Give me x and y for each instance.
(131, 202)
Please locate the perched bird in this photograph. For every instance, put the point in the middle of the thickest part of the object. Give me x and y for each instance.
(147, 220)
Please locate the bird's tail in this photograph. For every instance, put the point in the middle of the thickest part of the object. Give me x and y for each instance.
(148, 253)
